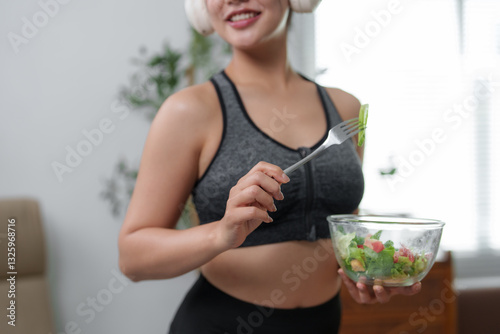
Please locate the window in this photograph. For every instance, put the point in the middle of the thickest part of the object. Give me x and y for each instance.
(430, 71)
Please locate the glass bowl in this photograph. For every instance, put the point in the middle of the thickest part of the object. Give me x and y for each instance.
(385, 250)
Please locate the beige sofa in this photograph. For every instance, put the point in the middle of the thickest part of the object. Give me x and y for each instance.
(29, 289)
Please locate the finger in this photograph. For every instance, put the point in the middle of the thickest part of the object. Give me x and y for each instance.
(350, 285)
(264, 181)
(272, 171)
(416, 288)
(382, 294)
(365, 291)
(409, 290)
(406, 291)
(365, 295)
(253, 195)
(250, 213)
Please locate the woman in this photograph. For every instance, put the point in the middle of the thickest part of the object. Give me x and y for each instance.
(267, 265)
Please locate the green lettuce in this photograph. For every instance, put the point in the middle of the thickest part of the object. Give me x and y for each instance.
(379, 264)
(377, 235)
(356, 253)
(363, 120)
(420, 264)
(343, 243)
(403, 268)
(359, 240)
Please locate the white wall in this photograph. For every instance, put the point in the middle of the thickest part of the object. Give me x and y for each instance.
(59, 82)
(301, 44)
(63, 81)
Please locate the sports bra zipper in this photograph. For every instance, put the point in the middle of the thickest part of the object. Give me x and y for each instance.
(310, 229)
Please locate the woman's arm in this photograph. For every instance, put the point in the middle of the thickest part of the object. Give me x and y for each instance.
(149, 245)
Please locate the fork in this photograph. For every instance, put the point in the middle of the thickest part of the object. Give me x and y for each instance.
(337, 135)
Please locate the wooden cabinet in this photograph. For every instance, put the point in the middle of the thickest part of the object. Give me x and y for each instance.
(433, 310)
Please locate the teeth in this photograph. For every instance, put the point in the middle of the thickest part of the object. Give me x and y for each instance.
(243, 16)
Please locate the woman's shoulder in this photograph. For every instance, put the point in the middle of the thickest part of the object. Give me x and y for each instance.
(347, 104)
(193, 101)
(190, 115)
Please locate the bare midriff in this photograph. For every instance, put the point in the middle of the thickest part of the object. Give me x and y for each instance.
(282, 275)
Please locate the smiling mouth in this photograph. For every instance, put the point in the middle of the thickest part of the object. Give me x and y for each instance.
(243, 16)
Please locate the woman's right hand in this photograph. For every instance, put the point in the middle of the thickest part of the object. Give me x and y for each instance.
(249, 202)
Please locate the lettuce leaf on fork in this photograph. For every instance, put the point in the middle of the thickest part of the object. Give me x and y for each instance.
(363, 120)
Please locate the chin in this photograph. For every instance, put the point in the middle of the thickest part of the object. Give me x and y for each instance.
(251, 39)
(245, 44)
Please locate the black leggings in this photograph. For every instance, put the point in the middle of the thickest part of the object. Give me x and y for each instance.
(208, 310)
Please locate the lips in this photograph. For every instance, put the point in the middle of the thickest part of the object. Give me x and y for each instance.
(241, 15)
(243, 18)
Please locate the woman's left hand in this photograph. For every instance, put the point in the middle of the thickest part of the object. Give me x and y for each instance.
(365, 294)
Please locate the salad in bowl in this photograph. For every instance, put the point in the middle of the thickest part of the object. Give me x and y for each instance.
(385, 250)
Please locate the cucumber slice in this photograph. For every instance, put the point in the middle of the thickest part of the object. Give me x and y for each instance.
(363, 120)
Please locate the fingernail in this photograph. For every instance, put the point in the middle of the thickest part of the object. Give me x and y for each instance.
(274, 208)
(285, 178)
(269, 218)
(281, 195)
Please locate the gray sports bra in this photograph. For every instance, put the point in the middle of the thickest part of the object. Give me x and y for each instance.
(330, 184)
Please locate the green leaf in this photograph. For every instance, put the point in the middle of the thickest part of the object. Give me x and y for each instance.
(363, 120)
(359, 240)
(379, 264)
(356, 253)
(377, 235)
(343, 243)
(420, 264)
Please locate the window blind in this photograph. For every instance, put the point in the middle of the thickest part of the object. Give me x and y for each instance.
(481, 35)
